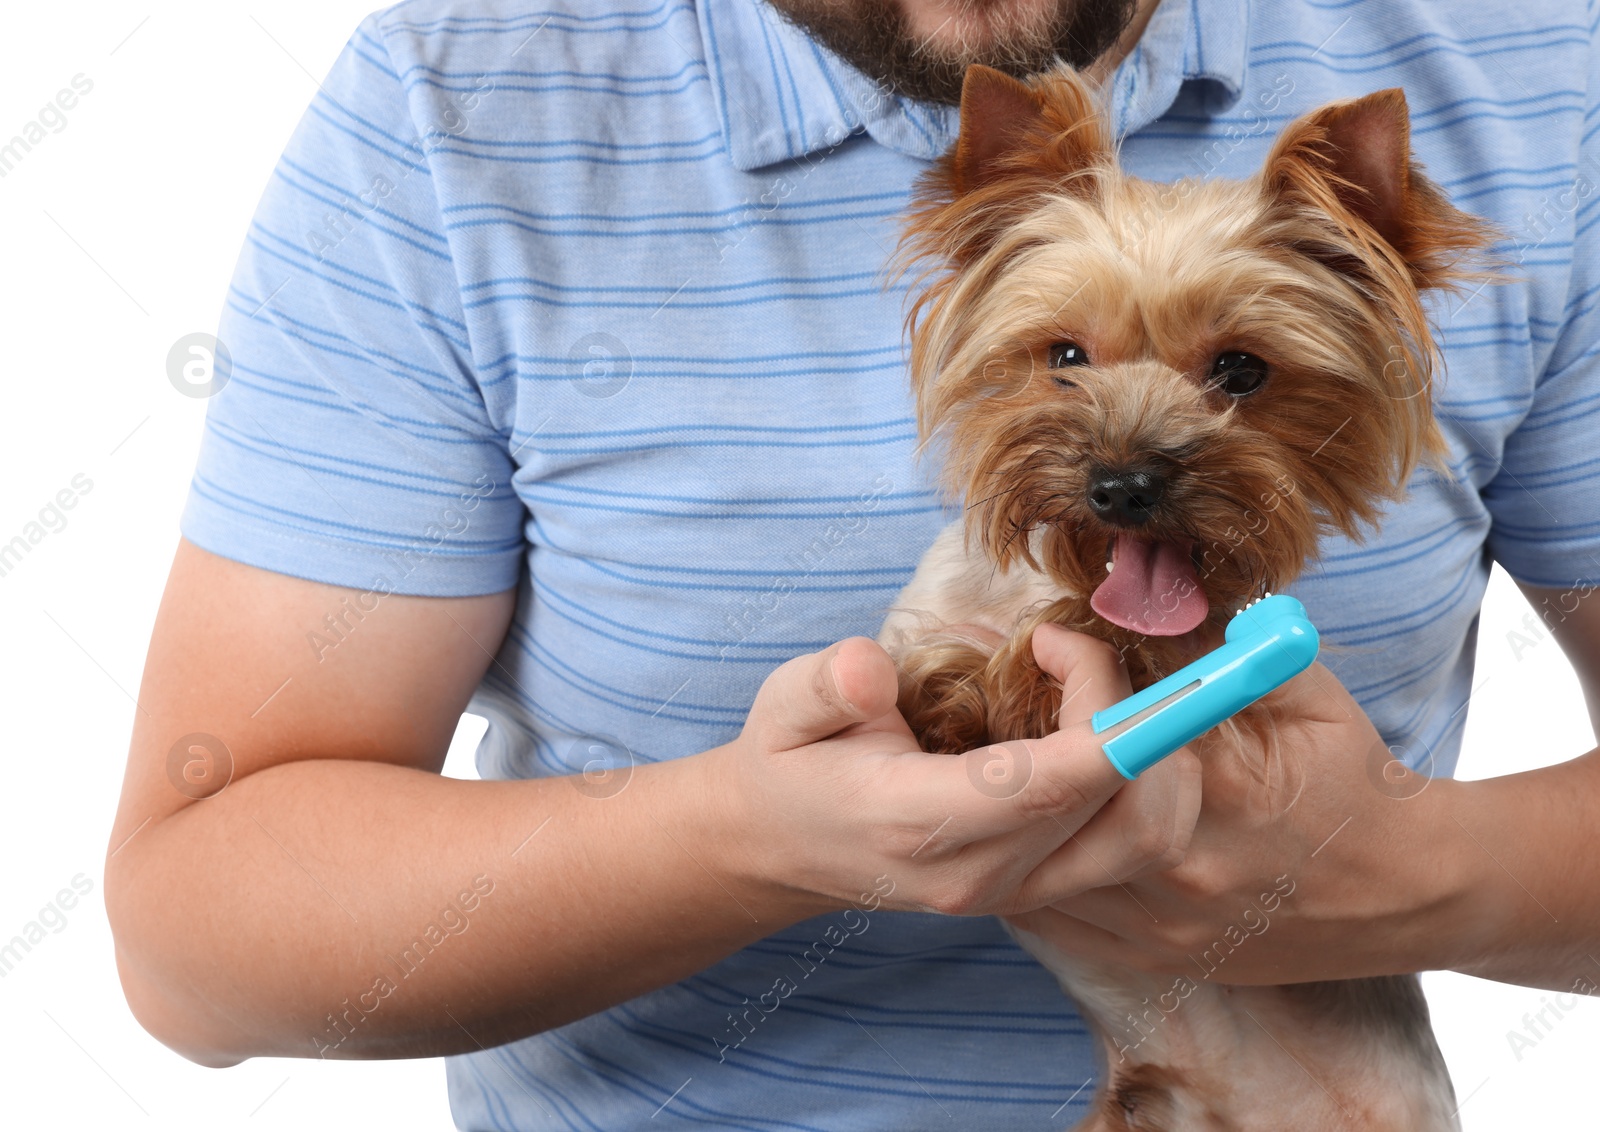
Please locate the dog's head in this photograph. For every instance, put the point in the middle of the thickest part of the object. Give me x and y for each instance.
(1162, 395)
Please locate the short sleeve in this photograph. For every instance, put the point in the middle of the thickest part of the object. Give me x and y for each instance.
(1545, 497)
(348, 441)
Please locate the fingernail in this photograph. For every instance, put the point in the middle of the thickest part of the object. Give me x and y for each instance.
(833, 671)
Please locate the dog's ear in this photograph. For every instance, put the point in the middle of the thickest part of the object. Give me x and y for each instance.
(1050, 129)
(996, 113)
(1352, 162)
(1018, 141)
(1343, 189)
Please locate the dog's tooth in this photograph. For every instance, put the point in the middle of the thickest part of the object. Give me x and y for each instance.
(1109, 565)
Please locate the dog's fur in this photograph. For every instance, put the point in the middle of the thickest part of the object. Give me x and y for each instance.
(1031, 236)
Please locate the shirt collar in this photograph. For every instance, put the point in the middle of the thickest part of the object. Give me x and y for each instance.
(1204, 42)
(780, 96)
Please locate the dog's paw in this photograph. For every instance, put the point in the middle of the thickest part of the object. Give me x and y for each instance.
(1024, 700)
(943, 696)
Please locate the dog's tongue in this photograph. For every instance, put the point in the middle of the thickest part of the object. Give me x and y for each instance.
(1152, 590)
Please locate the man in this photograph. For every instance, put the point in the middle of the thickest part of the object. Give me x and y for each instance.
(564, 380)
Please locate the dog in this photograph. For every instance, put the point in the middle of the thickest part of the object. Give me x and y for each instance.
(1154, 400)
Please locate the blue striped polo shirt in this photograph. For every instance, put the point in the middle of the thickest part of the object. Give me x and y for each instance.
(589, 300)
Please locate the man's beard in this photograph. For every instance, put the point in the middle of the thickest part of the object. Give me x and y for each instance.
(874, 36)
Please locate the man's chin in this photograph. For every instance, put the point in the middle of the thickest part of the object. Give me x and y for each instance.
(922, 49)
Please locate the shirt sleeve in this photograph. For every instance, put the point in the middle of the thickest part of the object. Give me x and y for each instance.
(1544, 500)
(347, 439)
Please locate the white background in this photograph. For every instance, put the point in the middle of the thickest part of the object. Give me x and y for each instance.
(119, 235)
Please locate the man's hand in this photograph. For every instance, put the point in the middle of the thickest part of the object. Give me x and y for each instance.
(1317, 855)
(284, 833)
(1338, 862)
(827, 779)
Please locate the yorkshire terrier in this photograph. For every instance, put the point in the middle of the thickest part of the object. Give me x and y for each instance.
(1154, 400)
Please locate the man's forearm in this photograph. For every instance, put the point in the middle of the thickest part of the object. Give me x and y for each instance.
(362, 910)
(1532, 913)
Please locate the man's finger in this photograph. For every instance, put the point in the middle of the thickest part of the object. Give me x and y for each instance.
(1090, 671)
(1146, 827)
(1058, 933)
(1064, 777)
(817, 695)
(1047, 787)
(1316, 694)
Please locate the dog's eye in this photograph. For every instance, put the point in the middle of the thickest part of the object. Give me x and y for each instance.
(1238, 374)
(1064, 354)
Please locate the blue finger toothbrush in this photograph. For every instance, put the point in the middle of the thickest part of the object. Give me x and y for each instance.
(1265, 645)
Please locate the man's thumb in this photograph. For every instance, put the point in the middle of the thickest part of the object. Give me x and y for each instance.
(816, 695)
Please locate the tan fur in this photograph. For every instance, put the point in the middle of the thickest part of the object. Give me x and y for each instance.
(1028, 234)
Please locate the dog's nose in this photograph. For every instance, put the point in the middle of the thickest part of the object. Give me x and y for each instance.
(1126, 497)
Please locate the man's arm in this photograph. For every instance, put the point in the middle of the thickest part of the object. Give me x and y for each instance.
(244, 919)
(338, 897)
(1538, 866)
(1572, 616)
